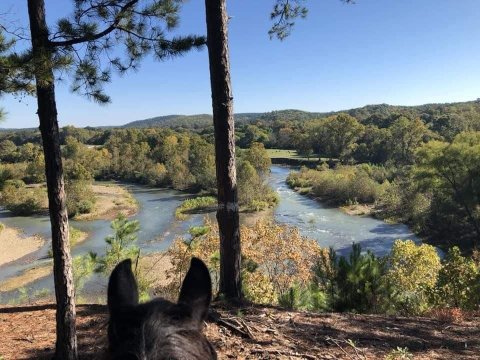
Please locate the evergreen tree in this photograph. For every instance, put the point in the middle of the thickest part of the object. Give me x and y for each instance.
(222, 103)
(284, 13)
(86, 44)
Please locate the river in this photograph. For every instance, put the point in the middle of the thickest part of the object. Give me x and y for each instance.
(329, 226)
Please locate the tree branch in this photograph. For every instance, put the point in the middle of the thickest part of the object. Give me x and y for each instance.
(99, 35)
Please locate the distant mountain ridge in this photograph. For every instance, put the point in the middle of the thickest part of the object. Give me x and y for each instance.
(361, 113)
(190, 121)
(202, 120)
(427, 112)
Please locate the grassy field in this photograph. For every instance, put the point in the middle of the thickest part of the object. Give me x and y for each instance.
(289, 154)
(291, 157)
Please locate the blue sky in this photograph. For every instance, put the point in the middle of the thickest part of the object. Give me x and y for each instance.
(404, 52)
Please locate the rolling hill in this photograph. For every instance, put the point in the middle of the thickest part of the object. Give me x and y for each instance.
(428, 113)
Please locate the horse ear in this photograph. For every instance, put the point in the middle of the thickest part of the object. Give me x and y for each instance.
(122, 287)
(196, 289)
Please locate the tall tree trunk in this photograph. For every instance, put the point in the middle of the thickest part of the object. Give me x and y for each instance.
(222, 103)
(66, 342)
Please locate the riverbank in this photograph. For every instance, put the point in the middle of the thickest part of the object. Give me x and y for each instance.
(25, 278)
(353, 210)
(110, 200)
(15, 245)
(33, 274)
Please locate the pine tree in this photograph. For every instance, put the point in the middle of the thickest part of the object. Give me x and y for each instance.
(85, 45)
(222, 103)
(284, 14)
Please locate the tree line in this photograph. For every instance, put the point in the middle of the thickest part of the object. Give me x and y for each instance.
(435, 191)
(155, 157)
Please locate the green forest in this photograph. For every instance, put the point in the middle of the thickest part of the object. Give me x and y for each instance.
(416, 165)
(155, 157)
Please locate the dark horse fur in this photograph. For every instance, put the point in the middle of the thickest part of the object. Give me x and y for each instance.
(159, 329)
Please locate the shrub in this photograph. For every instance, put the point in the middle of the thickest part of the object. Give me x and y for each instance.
(11, 171)
(275, 259)
(353, 283)
(75, 171)
(258, 288)
(80, 197)
(191, 205)
(254, 194)
(35, 171)
(22, 200)
(196, 231)
(309, 298)
(403, 202)
(340, 186)
(16, 183)
(85, 206)
(304, 178)
(399, 353)
(411, 276)
(121, 246)
(458, 283)
(83, 267)
(155, 174)
(447, 315)
(76, 235)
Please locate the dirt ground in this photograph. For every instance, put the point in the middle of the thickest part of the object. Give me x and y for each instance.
(28, 332)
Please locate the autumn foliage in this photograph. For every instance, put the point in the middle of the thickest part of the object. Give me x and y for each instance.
(275, 259)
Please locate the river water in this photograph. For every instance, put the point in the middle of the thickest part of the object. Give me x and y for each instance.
(329, 226)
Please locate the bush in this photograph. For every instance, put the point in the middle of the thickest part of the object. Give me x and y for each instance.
(83, 268)
(275, 259)
(412, 275)
(191, 205)
(340, 186)
(75, 171)
(458, 283)
(80, 197)
(85, 206)
(399, 354)
(281, 267)
(304, 298)
(121, 246)
(16, 183)
(304, 178)
(35, 171)
(353, 283)
(155, 174)
(196, 231)
(447, 315)
(403, 202)
(11, 171)
(76, 235)
(22, 200)
(253, 193)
